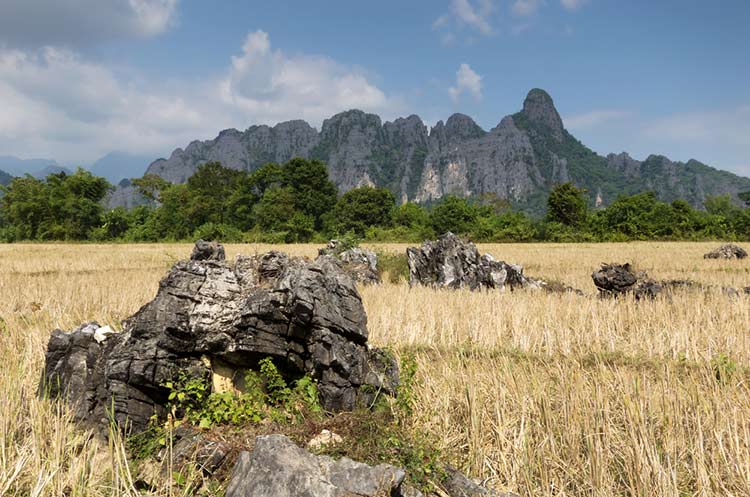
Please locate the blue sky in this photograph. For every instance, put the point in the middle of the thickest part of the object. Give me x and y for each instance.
(79, 78)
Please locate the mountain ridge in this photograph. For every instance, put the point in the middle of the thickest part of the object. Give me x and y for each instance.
(520, 159)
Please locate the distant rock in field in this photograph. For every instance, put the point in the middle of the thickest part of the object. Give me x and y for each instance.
(613, 280)
(728, 251)
(735, 292)
(305, 315)
(277, 467)
(450, 262)
(360, 264)
(207, 251)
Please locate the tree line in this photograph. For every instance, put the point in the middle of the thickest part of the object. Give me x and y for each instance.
(297, 202)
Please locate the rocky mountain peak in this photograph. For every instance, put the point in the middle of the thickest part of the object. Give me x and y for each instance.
(540, 110)
(463, 127)
(350, 118)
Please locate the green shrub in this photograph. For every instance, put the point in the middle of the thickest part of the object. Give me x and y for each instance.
(267, 395)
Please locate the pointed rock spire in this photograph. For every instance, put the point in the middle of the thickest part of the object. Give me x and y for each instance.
(540, 110)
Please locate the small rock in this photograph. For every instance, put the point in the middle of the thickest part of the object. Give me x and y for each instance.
(102, 333)
(728, 251)
(278, 468)
(323, 439)
(614, 279)
(458, 485)
(360, 264)
(207, 251)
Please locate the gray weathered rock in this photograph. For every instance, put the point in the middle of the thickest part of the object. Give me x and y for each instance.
(361, 264)
(453, 263)
(728, 251)
(614, 279)
(307, 316)
(278, 468)
(205, 251)
(458, 485)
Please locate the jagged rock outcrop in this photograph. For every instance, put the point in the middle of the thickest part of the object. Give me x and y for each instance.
(520, 159)
(278, 468)
(306, 315)
(450, 262)
(727, 251)
(360, 264)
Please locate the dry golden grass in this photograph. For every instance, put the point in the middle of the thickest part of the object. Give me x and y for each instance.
(546, 395)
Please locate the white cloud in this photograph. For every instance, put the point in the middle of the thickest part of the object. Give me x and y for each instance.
(466, 13)
(269, 85)
(572, 4)
(595, 118)
(467, 81)
(36, 23)
(56, 103)
(526, 7)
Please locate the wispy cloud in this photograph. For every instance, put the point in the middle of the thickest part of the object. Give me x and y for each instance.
(526, 8)
(573, 4)
(56, 102)
(595, 118)
(467, 82)
(466, 14)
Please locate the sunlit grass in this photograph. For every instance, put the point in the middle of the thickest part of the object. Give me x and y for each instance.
(539, 394)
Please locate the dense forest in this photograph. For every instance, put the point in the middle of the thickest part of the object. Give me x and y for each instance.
(296, 202)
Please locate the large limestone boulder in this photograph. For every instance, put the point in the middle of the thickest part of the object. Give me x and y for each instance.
(306, 315)
(728, 251)
(451, 262)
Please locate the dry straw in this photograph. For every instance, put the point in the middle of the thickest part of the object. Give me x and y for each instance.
(545, 395)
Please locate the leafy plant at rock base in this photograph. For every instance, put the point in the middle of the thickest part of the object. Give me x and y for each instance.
(267, 396)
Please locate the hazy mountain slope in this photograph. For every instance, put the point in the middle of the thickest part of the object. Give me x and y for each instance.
(116, 166)
(5, 178)
(19, 167)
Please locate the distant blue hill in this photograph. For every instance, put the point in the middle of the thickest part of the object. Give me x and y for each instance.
(116, 166)
(18, 167)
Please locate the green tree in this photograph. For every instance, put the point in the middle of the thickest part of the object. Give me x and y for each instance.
(60, 207)
(363, 207)
(566, 204)
(453, 214)
(151, 185)
(720, 205)
(314, 193)
(210, 190)
(411, 215)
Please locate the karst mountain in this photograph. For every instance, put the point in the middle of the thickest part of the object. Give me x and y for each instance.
(520, 159)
